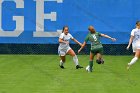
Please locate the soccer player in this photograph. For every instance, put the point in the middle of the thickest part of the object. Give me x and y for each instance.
(96, 46)
(64, 48)
(135, 41)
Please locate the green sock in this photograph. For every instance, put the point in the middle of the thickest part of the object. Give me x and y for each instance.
(91, 64)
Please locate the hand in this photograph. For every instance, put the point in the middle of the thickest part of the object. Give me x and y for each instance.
(113, 39)
(80, 44)
(127, 48)
(79, 51)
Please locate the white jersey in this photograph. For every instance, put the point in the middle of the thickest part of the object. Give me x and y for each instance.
(65, 38)
(136, 34)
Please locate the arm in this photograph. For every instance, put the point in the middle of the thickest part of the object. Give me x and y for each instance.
(130, 41)
(62, 41)
(83, 45)
(76, 41)
(106, 36)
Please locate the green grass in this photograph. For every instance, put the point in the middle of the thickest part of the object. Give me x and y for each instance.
(41, 74)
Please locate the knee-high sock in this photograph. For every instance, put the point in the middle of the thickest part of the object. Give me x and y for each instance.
(133, 61)
(75, 59)
(90, 64)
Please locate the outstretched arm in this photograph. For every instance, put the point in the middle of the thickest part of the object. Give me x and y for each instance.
(106, 36)
(83, 45)
(130, 42)
(76, 41)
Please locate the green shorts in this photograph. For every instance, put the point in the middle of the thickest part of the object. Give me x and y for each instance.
(97, 50)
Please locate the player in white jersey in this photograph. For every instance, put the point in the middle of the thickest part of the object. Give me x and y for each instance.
(64, 47)
(135, 41)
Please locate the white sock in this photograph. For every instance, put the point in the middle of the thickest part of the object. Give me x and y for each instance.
(61, 63)
(133, 61)
(75, 59)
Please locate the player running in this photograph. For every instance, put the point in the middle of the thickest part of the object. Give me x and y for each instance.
(135, 41)
(64, 48)
(96, 46)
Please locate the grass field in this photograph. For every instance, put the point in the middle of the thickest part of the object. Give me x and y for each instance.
(41, 74)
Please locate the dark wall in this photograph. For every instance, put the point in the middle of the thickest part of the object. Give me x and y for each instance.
(109, 49)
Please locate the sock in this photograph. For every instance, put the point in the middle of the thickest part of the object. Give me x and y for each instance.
(133, 61)
(61, 63)
(75, 59)
(90, 64)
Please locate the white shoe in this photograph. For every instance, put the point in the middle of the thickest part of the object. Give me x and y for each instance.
(128, 66)
(88, 69)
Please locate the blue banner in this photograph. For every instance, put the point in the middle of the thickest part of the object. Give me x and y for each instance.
(41, 21)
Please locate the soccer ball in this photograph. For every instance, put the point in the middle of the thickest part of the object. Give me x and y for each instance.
(87, 68)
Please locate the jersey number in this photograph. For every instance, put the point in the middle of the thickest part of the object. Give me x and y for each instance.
(95, 38)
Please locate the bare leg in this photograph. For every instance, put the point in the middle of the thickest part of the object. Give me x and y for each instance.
(99, 58)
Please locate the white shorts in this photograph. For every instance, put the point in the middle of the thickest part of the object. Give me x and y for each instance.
(63, 52)
(135, 47)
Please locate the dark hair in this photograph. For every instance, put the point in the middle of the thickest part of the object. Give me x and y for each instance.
(64, 28)
(138, 23)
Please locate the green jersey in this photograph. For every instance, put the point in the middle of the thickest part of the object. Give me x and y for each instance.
(95, 41)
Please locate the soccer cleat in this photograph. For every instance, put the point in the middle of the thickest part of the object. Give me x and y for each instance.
(128, 66)
(102, 61)
(78, 66)
(88, 69)
(98, 61)
(61, 66)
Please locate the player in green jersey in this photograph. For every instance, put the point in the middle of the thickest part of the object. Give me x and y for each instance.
(96, 46)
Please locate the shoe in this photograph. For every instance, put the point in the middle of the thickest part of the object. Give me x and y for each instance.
(102, 61)
(128, 66)
(61, 66)
(90, 69)
(78, 66)
(87, 68)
